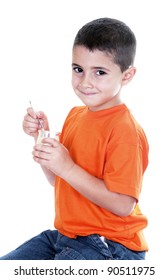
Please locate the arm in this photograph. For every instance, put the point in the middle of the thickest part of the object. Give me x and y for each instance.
(95, 190)
(57, 159)
(31, 127)
(50, 176)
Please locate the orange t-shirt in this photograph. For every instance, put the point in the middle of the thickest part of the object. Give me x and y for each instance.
(110, 145)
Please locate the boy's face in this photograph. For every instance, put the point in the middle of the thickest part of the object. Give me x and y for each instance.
(96, 79)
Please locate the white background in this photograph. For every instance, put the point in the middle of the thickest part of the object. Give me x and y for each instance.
(36, 39)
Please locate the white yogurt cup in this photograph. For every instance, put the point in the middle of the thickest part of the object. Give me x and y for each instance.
(47, 134)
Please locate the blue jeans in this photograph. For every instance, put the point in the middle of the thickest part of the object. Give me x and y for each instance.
(51, 245)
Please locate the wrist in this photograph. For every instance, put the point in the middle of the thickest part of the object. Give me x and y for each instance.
(35, 138)
(69, 172)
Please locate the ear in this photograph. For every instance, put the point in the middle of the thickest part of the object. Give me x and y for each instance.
(128, 75)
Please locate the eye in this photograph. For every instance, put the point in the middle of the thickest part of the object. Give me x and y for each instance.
(78, 69)
(100, 72)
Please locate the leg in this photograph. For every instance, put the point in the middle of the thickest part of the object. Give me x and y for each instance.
(81, 248)
(93, 248)
(120, 252)
(40, 247)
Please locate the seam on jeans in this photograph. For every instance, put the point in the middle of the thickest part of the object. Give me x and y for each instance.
(99, 245)
(73, 254)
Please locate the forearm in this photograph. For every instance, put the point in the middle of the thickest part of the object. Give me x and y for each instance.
(56, 158)
(50, 176)
(96, 191)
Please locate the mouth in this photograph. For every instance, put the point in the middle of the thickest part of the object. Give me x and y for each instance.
(88, 93)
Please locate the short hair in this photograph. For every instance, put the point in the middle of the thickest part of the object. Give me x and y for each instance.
(111, 36)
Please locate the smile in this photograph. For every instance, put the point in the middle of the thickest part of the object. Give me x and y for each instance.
(88, 93)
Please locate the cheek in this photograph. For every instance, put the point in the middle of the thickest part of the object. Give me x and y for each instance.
(105, 86)
(109, 89)
(74, 81)
(112, 85)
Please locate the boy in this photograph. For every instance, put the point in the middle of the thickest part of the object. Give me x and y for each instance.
(98, 166)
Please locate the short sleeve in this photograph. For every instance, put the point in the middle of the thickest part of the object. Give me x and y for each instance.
(123, 170)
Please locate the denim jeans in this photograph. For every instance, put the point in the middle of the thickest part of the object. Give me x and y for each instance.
(51, 245)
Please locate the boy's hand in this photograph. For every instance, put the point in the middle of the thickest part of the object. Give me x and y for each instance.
(31, 123)
(53, 156)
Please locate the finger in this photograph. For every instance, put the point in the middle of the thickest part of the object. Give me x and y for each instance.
(29, 118)
(52, 142)
(31, 112)
(41, 155)
(43, 148)
(43, 162)
(32, 126)
(34, 116)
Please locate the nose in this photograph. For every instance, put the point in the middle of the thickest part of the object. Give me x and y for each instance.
(86, 81)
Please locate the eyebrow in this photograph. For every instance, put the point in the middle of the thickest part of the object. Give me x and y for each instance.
(74, 64)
